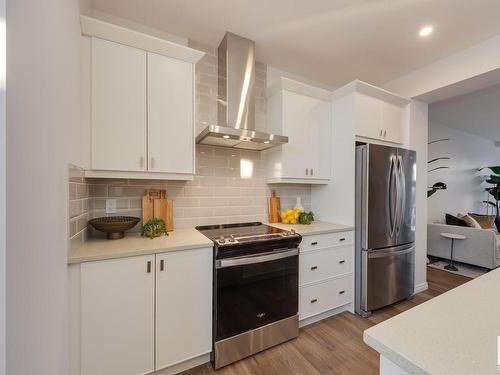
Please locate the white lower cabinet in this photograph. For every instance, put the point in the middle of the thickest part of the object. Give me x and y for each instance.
(183, 306)
(326, 295)
(326, 278)
(145, 313)
(322, 264)
(117, 316)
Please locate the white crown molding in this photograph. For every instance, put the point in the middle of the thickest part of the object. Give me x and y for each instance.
(370, 90)
(298, 87)
(104, 30)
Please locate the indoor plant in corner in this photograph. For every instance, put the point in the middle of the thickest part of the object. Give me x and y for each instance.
(494, 192)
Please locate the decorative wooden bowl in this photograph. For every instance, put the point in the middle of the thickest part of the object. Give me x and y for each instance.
(114, 226)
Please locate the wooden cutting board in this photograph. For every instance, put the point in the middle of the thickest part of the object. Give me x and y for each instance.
(156, 205)
(274, 208)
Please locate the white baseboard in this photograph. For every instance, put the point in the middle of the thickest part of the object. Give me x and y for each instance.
(190, 363)
(421, 287)
(326, 314)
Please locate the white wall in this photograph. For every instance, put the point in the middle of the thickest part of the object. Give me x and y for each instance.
(474, 61)
(43, 70)
(418, 142)
(2, 186)
(465, 191)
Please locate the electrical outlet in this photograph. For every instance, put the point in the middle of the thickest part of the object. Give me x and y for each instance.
(110, 206)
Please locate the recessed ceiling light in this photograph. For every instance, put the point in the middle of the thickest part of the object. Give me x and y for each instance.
(425, 31)
(225, 136)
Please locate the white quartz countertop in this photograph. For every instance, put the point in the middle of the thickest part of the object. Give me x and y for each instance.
(316, 227)
(133, 245)
(454, 333)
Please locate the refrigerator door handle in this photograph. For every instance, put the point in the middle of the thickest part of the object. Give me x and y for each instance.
(398, 198)
(384, 254)
(401, 193)
(393, 211)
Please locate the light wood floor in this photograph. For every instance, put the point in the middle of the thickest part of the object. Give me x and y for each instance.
(334, 345)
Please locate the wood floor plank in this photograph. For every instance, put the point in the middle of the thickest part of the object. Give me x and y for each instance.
(335, 345)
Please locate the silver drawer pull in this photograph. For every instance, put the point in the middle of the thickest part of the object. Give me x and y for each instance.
(314, 243)
(314, 300)
(342, 292)
(314, 268)
(341, 261)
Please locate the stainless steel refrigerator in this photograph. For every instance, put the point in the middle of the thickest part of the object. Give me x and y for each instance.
(385, 226)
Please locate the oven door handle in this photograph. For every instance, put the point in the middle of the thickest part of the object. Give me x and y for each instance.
(266, 257)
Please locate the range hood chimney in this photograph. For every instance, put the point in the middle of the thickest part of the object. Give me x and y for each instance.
(236, 100)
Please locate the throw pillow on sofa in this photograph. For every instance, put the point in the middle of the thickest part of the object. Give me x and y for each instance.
(471, 222)
(453, 220)
(485, 221)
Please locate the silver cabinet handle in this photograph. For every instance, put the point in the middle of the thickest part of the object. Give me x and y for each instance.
(385, 133)
(162, 265)
(381, 132)
(152, 163)
(312, 172)
(148, 266)
(307, 171)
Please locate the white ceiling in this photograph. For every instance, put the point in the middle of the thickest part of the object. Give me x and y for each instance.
(330, 41)
(476, 113)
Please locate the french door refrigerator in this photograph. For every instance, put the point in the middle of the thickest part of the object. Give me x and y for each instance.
(385, 226)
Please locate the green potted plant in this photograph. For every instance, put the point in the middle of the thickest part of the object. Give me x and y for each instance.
(154, 228)
(494, 192)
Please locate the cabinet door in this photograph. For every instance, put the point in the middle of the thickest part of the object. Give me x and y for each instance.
(296, 117)
(393, 121)
(320, 142)
(170, 115)
(368, 117)
(183, 305)
(118, 107)
(117, 321)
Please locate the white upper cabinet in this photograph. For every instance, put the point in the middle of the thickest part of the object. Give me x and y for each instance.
(377, 113)
(303, 113)
(118, 107)
(170, 115)
(142, 104)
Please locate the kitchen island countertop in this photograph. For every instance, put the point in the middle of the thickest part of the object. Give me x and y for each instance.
(454, 333)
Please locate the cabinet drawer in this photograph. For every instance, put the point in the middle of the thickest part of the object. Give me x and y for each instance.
(320, 241)
(322, 264)
(317, 298)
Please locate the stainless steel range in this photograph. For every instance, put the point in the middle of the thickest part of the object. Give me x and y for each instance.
(255, 293)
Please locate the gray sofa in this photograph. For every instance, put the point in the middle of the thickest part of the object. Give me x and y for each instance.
(481, 248)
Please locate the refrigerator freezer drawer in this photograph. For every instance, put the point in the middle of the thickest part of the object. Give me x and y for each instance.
(387, 277)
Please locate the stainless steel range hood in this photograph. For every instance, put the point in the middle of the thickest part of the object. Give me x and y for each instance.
(236, 106)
